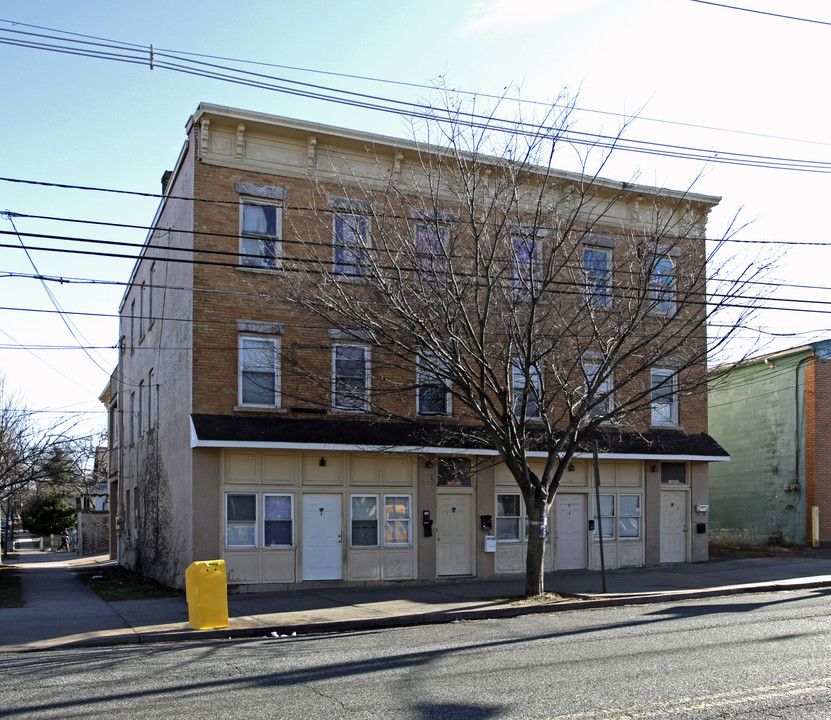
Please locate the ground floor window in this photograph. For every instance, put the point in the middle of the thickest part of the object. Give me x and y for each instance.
(241, 520)
(278, 520)
(508, 517)
(620, 517)
(364, 521)
(397, 519)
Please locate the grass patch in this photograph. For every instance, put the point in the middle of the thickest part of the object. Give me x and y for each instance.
(113, 583)
(543, 599)
(10, 593)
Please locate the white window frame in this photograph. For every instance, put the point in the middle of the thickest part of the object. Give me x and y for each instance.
(151, 298)
(630, 517)
(408, 521)
(432, 265)
(598, 522)
(518, 384)
(519, 518)
(291, 519)
(660, 418)
(343, 267)
(377, 499)
(274, 341)
(255, 521)
(361, 404)
(260, 260)
(597, 286)
(591, 369)
(427, 379)
(662, 286)
(140, 409)
(142, 303)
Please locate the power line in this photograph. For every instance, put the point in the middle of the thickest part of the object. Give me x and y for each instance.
(421, 111)
(762, 12)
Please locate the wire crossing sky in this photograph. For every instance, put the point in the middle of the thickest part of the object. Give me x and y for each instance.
(726, 99)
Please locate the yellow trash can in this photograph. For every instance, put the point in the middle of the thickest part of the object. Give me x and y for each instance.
(207, 594)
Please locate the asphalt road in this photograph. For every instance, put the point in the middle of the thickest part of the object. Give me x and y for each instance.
(751, 656)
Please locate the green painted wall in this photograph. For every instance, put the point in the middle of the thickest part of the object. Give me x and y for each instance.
(752, 414)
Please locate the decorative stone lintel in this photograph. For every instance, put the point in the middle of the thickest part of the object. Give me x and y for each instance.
(351, 335)
(667, 250)
(425, 215)
(527, 229)
(350, 204)
(262, 191)
(261, 328)
(606, 241)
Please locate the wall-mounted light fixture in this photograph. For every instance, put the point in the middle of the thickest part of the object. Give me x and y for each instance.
(322, 462)
(654, 469)
(428, 464)
(571, 467)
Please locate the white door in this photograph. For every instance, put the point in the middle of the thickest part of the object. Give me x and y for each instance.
(322, 537)
(454, 535)
(673, 526)
(572, 533)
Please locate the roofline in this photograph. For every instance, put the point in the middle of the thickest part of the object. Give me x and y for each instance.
(195, 442)
(402, 143)
(767, 358)
(165, 196)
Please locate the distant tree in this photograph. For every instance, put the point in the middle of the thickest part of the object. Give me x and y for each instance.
(48, 512)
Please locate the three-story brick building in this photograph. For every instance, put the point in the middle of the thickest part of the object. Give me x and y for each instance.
(246, 428)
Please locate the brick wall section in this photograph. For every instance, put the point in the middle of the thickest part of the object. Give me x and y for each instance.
(817, 446)
(251, 294)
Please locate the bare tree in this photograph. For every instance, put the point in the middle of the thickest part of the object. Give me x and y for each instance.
(541, 301)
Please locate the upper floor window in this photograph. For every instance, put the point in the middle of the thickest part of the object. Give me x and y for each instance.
(259, 370)
(662, 286)
(433, 396)
(597, 276)
(350, 242)
(262, 229)
(601, 402)
(527, 387)
(431, 250)
(350, 381)
(664, 398)
(525, 263)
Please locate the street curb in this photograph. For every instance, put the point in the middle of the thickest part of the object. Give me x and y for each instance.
(580, 602)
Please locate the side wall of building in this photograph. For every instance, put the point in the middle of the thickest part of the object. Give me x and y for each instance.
(818, 448)
(753, 415)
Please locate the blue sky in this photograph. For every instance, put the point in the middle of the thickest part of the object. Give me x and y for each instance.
(84, 121)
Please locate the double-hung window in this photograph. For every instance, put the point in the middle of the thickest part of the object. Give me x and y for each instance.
(240, 520)
(431, 251)
(350, 382)
(527, 388)
(261, 231)
(662, 286)
(525, 264)
(364, 521)
(259, 370)
(508, 517)
(433, 396)
(278, 520)
(350, 243)
(397, 520)
(620, 517)
(597, 276)
(664, 399)
(601, 401)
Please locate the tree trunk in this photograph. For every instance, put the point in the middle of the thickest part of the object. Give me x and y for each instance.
(535, 557)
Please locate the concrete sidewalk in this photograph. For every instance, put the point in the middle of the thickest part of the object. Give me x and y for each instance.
(60, 612)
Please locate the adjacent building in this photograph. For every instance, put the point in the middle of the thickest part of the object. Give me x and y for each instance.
(773, 414)
(222, 449)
